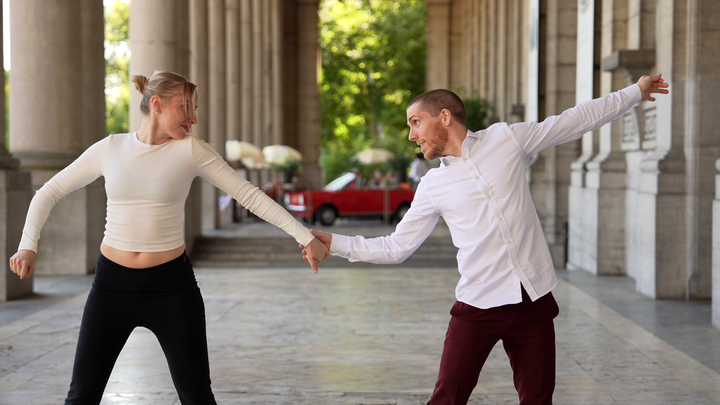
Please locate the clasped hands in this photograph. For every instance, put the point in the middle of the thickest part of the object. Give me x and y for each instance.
(318, 249)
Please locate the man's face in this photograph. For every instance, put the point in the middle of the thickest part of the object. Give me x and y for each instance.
(427, 132)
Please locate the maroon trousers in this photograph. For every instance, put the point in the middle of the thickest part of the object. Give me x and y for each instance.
(528, 336)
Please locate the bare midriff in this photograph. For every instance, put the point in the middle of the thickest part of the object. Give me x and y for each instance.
(140, 260)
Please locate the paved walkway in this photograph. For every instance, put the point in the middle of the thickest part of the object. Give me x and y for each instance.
(359, 336)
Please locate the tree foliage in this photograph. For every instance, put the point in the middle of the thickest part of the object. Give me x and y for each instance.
(373, 64)
(117, 64)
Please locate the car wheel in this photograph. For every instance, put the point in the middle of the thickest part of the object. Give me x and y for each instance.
(401, 211)
(326, 215)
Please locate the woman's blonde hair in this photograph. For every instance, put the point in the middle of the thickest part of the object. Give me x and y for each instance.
(166, 85)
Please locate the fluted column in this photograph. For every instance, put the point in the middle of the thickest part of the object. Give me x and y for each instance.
(58, 67)
(582, 206)
(277, 90)
(15, 195)
(232, 70)
(199, 74)
(155, 44)
(246, 51)
(217, 84)
(716, 250)
(438, 44)
(308, 90)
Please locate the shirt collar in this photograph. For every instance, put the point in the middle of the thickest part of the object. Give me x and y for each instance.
(466, 146)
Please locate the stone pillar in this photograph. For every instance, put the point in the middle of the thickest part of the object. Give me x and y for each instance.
(217, 101)
(246, 58)
(257, 72)
(438, 44)
(275, 21)
(559, 91)
(308, 138)
(641, 43)
(582, 210)
(160, 40)
(57, 64)
(232, 70)
(676, 174)
(155, 44)
(716, 250)
(15, 195)
(199, 74)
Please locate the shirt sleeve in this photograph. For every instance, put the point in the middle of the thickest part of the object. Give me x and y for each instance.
(83, 171)
(574, 122)
(410, 233)
(210, 165)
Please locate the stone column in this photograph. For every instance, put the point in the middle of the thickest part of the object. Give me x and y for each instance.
(246, 58)
(582, 208)
(257, 72)
(438, 44)
(702, 143)
(232, 70)
(55, 58)
(277, 90)
(199, 74)
(716, 250)
(676, 173)
(154, 45)
(641, 43)
(607, 173)
(15, 195)
(559, 91)
(216, 81)
(308, 138)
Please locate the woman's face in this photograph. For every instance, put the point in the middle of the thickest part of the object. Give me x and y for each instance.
(176, 118)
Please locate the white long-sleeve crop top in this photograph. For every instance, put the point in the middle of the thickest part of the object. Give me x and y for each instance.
(146, 188)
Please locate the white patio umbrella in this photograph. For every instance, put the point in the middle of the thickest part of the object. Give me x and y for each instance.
(280, 154)
(374, 156)
(237, 150)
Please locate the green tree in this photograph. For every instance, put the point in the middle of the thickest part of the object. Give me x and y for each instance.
(117, 63)
(373, 64)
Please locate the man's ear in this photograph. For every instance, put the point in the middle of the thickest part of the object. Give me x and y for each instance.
(445, 116)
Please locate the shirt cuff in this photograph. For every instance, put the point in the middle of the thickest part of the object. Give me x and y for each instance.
(635, 94)
(339, 245)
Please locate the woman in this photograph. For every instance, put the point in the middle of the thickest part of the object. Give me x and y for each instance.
(143, 276)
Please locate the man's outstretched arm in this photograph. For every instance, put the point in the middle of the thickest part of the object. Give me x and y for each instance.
(411, 232)
(532, 137)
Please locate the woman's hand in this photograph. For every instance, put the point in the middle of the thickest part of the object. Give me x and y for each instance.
(22, 263)
(314, 253)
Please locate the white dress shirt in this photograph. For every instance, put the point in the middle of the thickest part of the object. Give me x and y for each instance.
(485, 199)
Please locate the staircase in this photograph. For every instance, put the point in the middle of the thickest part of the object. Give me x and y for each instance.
(269, 251)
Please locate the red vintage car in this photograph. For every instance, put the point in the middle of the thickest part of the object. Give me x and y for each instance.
(346, 197)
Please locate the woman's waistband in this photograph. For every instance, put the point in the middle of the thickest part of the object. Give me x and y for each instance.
(176, 270)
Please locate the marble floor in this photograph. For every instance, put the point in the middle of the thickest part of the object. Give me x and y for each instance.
(365, 336)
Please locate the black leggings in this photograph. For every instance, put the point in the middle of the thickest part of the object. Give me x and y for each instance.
(166, 300)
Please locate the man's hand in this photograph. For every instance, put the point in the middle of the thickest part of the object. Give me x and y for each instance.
(652, 84)
(325, 238)
(22, 263)
(314, 253)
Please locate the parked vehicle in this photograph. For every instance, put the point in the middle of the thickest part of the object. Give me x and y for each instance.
(347, 197)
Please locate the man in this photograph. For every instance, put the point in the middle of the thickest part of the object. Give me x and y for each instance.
(418, 169)
(507, 275)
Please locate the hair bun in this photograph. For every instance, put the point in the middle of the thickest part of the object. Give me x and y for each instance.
(140, 83)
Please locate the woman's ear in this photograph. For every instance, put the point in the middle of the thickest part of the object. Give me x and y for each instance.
(156, 103)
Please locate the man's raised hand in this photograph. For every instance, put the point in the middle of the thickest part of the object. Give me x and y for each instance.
(652, 84)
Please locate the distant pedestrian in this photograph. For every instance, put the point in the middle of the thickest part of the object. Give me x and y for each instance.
(418, 168)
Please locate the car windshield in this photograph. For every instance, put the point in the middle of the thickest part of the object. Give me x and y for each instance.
(341, 182)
